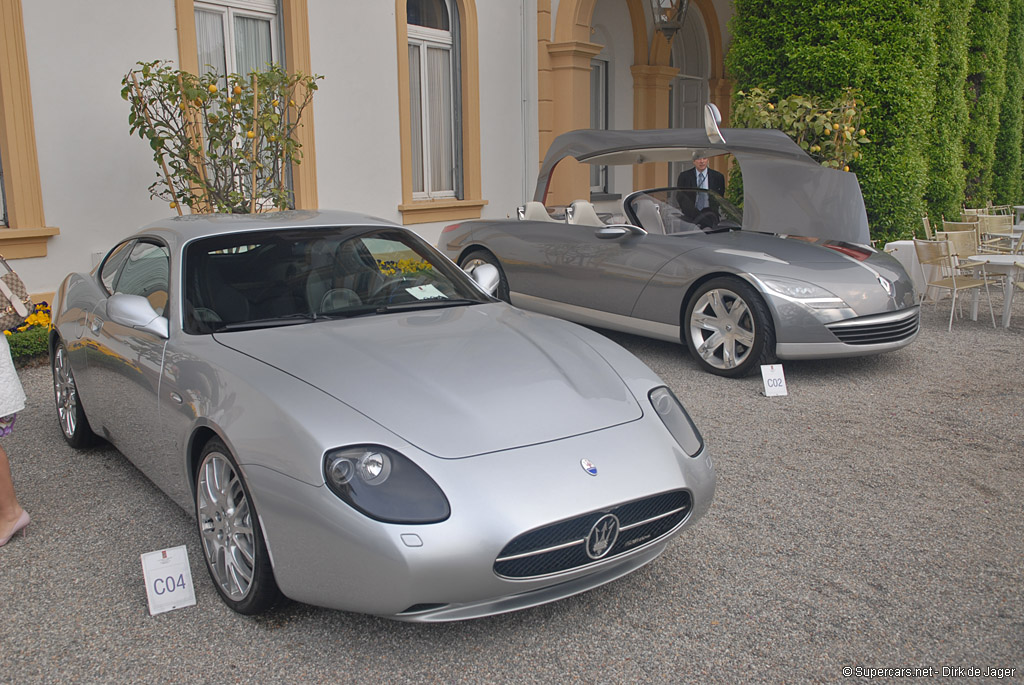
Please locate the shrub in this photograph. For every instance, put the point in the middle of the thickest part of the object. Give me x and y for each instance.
(222, 143)
(1008, 169)
(986, 86)
(28, 340)
(944, 193)
(820, 48)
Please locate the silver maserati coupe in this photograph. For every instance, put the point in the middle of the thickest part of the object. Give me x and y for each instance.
(358, 424)
(791, 276)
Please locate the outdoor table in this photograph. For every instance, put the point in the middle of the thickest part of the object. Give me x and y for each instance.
(996, 263)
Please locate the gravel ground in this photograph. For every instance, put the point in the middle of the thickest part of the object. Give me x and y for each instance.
(871, 519)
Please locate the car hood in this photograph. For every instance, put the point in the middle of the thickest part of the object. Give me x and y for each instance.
(454, 382)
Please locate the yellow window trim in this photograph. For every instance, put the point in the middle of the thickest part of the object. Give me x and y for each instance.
(295, 24)
(423, 211)
(26, 233)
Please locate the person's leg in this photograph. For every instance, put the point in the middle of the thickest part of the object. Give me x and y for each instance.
(10, 510)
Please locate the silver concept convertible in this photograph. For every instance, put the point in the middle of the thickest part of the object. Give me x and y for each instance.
(792, 276)
(358, 424)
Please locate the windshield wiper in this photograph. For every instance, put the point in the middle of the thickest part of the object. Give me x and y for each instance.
(272, 321)
(425, 304)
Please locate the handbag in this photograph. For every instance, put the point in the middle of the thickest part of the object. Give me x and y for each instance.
(15, 302)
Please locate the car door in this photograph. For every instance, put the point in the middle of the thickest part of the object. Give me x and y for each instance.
(125, 363)
(570, 264)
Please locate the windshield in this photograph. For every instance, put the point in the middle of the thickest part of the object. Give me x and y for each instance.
(667, 211)
(293, 276)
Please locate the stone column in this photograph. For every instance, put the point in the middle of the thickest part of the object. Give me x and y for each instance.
(570, 80)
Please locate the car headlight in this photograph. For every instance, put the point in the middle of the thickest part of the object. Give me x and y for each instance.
(814, 296)
(676, 420)
(384, 485)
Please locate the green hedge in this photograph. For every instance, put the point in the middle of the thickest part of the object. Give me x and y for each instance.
(947, 177)
(884, 49)
(1008, 177)
(30, 344)
(986, 86)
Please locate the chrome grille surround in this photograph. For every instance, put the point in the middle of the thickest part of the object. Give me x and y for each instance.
(561, 546)
(879, 328)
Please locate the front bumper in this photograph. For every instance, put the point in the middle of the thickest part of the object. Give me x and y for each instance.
(325, 553)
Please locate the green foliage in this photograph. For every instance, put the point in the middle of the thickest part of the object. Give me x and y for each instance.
(1008, 168)
(947, 178)
(222, 143)
(880, 48)
(986, 86)
(28, 344)
(828, 130)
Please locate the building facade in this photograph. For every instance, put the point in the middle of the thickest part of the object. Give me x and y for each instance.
(430, 112)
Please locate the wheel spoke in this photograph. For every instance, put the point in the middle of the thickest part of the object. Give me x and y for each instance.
(226, 526)
(722, 328)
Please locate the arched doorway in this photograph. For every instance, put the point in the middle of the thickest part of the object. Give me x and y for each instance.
(689, 90)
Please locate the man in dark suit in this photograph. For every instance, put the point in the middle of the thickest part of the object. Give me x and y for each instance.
(700, 176)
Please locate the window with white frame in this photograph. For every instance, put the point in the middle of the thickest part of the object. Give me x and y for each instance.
(434, 99)
(237, 37)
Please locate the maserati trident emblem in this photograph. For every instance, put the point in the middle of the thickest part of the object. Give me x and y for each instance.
(602, 536)
(886, 285)
(588, 466)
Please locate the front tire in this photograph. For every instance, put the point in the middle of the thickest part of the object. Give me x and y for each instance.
(229, 529)
(478, 257)
(74, 425)
(728, 328)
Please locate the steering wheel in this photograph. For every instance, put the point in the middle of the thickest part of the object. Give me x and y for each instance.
(395, 285)
(708, 218)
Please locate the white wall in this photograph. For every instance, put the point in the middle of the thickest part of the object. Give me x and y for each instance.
(94, 175)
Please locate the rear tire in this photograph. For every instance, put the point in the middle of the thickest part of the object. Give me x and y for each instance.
(74, 426)
(478, 257)
(728, 328)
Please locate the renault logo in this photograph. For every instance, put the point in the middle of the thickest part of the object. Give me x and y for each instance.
(602, 536)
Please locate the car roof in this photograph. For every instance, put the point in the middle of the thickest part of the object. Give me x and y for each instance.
(183, 229)
(784, 189)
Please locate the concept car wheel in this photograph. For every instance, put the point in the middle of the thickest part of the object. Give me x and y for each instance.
(478, 257)
(728, 328)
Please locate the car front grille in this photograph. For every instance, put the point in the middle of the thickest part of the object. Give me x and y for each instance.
(562, 546)
(874, 330)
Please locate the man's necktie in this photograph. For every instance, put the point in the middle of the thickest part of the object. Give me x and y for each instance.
(702, 198)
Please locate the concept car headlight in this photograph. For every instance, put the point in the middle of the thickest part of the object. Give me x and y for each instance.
(384, 485)
(678, 422)
(805, 293)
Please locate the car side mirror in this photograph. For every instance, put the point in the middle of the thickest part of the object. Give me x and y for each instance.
(616, 231)
(487, 277)
(135, 311)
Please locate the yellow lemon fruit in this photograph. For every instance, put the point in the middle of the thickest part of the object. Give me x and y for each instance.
(835, 127)
(173, 205)
(275, 103)
(862, 132)
(212, 88)
(237, 90)
(250, 134)
(230, 100)
(846, 168)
